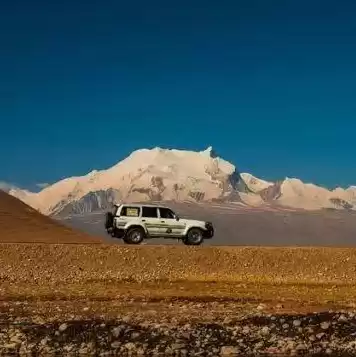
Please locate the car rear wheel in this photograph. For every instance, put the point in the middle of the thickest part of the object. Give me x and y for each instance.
(194, 237)
(134, 236)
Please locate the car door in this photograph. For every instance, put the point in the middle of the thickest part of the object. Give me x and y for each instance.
(151, 221)
(169, 224)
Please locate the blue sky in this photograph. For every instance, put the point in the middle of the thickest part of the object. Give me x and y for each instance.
(269, 84)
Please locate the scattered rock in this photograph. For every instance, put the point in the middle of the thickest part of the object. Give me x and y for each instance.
(296, 323)
(228, 351)
(116, 344)
(342, 318)
(62, 327)
(130, 346)
(177, 346)
(301, 347)
(227, 321)
(325, 325)
(252, 333)
(265, 330)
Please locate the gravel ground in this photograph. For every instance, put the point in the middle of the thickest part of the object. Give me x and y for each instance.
(176, 300)
(54, 263)
(228, 332)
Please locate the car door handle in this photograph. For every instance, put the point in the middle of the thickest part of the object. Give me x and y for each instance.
(163, 221)
(143, 220)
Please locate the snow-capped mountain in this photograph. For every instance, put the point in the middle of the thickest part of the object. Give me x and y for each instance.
(156, 174)
(163, 174)
(294, 193)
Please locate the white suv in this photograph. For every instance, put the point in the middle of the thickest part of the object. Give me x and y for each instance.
(135, 222)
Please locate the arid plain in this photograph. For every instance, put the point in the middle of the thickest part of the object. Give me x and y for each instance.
(69, 292)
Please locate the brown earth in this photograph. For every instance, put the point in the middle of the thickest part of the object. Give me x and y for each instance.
(22, 224)
(292, 276)
(116, 300)
(85, 298)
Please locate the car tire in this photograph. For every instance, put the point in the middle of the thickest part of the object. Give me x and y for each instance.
(134, 236)
(194, 237)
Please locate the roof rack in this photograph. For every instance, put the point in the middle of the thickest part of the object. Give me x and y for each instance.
(147, 204)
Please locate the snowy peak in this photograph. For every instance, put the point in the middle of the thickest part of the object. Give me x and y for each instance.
(147, 174)
(160, 174)
(255, 184)
(209, 152)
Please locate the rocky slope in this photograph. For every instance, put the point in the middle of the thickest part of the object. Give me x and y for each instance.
(178, 175)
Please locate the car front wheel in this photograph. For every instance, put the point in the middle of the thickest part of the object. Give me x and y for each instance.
(194, 237)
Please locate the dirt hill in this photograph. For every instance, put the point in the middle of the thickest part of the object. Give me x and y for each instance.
(21, 223)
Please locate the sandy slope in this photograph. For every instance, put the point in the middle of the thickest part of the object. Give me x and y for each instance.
(21, 223)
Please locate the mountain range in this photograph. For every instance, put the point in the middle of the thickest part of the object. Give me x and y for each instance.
(178, 175)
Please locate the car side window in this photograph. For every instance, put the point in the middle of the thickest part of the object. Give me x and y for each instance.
(150, 212)
(166, 213)
(128, 211)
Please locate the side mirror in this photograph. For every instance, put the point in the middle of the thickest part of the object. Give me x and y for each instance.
(177, 218)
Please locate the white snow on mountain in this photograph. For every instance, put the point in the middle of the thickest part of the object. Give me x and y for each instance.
(169, 174)
(148, 174)
(348, 195)
(24, 195)
(294, 193)
(351, 194)
(297, 194)
(255, 184)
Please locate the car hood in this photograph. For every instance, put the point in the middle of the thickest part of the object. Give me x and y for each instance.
(191, 221)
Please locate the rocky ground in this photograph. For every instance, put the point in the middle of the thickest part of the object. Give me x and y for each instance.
(175, 329)
(180, 301)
